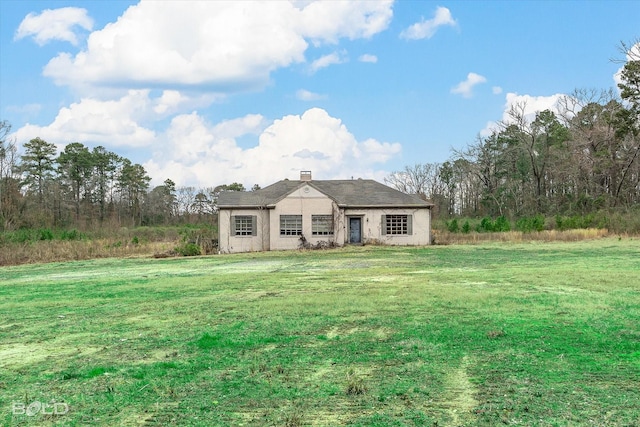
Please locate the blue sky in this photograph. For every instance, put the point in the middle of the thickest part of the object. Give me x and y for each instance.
(207, 93)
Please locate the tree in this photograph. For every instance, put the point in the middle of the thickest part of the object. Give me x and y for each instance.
(38, 166)
(538, 140)
(10, 196)
(132, 184)
(629, 118)
(75, 167)
(104, 170)
(161, 205)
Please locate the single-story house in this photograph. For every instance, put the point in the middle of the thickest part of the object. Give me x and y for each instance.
(335, 212)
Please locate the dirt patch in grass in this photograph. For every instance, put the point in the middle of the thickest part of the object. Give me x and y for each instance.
(335, 332)
(460, 395)
(19, 355)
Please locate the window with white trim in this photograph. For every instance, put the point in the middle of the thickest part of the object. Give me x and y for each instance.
(290, 225)
(322, 225)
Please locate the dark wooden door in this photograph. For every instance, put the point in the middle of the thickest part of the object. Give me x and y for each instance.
(355, 232)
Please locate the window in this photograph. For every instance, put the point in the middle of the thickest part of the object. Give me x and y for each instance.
(243, 225)
(322, 225)
(290, 225)
(397, 224)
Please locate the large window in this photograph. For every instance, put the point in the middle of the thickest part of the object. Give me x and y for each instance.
(396, 224)
(290, 225)
(243, 225)
(322, 225)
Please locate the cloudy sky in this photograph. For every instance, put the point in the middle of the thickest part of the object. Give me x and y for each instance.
(213, 92)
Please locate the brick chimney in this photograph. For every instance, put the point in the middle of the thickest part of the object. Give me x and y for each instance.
(305, 175)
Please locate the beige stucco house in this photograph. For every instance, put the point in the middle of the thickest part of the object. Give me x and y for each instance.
(336, 212)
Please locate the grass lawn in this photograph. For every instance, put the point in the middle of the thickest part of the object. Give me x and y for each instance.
(536, 334)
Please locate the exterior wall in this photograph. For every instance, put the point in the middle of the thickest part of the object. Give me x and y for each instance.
(231, 244)
(305, 201)
(372, 226)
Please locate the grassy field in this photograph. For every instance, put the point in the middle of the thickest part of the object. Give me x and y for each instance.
(536, 334)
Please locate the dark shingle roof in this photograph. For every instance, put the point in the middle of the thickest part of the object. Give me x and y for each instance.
(346, 193)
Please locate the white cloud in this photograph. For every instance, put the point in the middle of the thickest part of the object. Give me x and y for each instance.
(368, 58)
(110, 123)
(496, 90)
(327, 60)
(220, 46)
(426, 29)
(465, 88)
(200, 154)
(305, 95)
(173, 101)
(54, 24)
(249, 124)
(329, 20)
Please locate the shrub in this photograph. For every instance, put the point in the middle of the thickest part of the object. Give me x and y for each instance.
(581, 221)
(45, 234)
(485, 226)
(452, 226)
(188, 249)
(71, 235)
(530, 224)
(466, 227)
(502, 224)
(21, 235)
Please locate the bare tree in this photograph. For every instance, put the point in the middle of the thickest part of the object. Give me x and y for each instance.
(10, 196)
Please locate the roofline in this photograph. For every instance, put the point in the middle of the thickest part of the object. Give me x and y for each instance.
(272, 206)
(420, 206)
(245, 207)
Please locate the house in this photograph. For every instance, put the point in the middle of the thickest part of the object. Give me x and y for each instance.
(335, 212)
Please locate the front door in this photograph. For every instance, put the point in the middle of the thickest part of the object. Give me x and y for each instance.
(355, 234)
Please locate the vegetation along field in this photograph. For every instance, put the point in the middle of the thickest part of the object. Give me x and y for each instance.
(536, 334)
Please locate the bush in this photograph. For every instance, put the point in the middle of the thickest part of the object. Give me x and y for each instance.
(21, 235)
(452, 226)
(487, 225)
(580, 221)
(45, 234)
(71, 235)
(502, 224)
(466, 227)
(188, 249)
(530, 224)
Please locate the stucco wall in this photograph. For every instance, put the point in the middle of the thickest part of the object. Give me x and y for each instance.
(305, 201)
(231, 244)
(372, 226)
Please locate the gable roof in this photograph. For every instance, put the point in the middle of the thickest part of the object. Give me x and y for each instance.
(346, 193)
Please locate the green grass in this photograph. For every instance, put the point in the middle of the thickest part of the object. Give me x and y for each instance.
(536, 334)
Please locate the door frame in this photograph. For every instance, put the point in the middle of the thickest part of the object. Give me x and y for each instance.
(354, 217)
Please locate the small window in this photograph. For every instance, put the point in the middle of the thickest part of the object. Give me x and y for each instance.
(243, 225)
(396, 224)
(322, 225)
(290, 225)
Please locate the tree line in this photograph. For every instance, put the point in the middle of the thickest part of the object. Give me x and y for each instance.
(579, 159)
(82, 187)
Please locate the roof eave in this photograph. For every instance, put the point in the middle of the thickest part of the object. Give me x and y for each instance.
(245, 207)
(412, 206)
